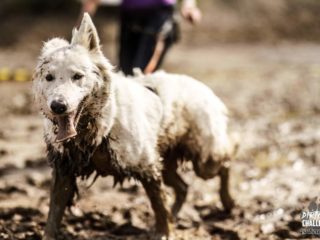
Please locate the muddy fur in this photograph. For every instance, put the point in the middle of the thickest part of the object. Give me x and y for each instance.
(77, 159)
(193, 128)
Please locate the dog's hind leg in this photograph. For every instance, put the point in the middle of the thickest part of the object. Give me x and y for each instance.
(172, 179)
(224, 191)
(210, 169)
(61, 195)
(153, 188)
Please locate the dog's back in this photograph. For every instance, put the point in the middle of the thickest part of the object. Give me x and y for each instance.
(194, 121)
(190, 107)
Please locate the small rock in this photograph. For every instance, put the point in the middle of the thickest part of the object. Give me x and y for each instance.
(267, 228)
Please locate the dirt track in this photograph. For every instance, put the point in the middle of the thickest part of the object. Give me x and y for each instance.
(273, 94)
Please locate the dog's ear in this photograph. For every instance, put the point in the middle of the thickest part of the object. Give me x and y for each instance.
(87, 35)
(52, 45)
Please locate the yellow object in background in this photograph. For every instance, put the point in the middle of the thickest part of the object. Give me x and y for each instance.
(18, 75)
(21, 75)
(5, 74)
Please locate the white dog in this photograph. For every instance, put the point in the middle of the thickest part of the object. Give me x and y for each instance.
(98, 121)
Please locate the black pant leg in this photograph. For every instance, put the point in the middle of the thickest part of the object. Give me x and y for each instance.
(144, 51)
(129, 41)
(139, 31)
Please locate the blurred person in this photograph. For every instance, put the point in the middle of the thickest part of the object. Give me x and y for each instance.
(148, 29)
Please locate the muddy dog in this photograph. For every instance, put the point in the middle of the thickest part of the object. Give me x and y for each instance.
(96, 121)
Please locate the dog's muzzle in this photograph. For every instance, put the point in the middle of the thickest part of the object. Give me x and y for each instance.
(58, 106)
(67, 122)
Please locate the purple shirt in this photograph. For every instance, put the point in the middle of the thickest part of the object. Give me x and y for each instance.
(141, 4)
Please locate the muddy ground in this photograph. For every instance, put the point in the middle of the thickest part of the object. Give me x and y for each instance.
(273, 93)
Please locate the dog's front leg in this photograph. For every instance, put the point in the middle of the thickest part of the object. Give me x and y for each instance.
(153, 188)
(61, 194)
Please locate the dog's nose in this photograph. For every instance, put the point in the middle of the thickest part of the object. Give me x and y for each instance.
(58, 106)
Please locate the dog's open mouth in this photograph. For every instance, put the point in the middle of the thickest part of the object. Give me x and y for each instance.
(67, 123)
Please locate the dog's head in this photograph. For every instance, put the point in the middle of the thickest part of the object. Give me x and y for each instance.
(67, 77)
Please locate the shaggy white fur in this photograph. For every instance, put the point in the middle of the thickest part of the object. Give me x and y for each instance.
(130, 112)
(193, 114)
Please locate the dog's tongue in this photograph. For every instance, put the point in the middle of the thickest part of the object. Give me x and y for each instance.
(66, 128)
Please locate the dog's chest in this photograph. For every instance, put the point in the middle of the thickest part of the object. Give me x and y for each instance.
(105, 162)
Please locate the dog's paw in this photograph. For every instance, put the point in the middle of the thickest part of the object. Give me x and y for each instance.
(46, 237)
(229, 205)
(159, 236)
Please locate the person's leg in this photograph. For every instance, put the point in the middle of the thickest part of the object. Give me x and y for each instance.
(167, 44)
(145, 51)
(128, 45)
(149, 38)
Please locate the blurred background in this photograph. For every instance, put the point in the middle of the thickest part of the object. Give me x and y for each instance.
(26, 24)
(260, 57)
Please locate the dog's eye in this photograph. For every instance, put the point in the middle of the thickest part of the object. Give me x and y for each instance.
(77, 76)
(49, 77)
